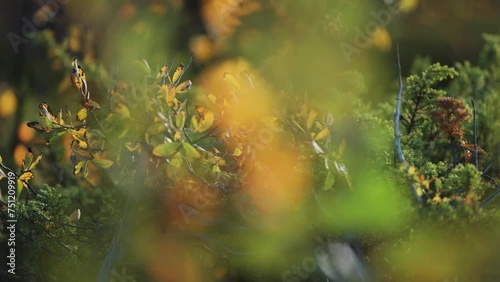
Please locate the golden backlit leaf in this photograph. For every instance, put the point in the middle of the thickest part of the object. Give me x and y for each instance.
(33, 164)
(183, 87)
(237, 152)
(322, 134)
(26, 176)
(311, 118)
(205, 120)
(79, 167)
(81, 115)
(177, 73)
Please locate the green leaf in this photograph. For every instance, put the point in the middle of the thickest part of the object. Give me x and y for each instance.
(216, 170)
(56, 137)
(174, 166)
(180, 119)
(329, 181)
(102, 163)
(165, 149)
(191, 152)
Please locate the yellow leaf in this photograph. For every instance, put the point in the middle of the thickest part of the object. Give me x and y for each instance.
(322, 134)
(205, 121)
(310, 119)
(26, 176)
(237, 152)
(81, 115)
(183, 87)
(177, 73)
(35, 162)
(79, 167)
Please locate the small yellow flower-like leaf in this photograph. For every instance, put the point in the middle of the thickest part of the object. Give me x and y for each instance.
(162, 73)
(29, 163)
(177, 73)
(165, 149)
(81, 115)
(190, 151)
(237, 152)
(205, 121)
(322, 134)
(102, 163)
(82, 165)
(26, 176)
(216, 170)
(183, 87)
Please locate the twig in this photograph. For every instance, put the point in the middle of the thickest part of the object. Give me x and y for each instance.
(397, 136)
(494, 195)
(476, 158)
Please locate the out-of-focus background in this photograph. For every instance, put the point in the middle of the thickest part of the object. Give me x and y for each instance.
(327, 52)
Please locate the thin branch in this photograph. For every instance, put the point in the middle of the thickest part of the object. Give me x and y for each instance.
(397, 116)
(397, 136)
(494, 195)
(476, 158)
